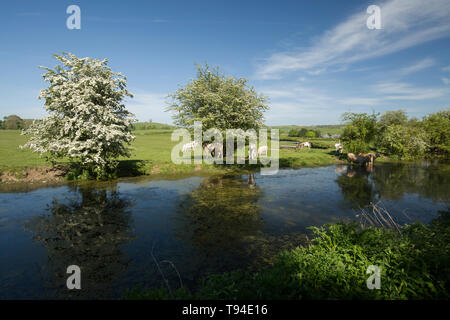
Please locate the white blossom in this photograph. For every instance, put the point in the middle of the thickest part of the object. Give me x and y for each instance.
(87, 119)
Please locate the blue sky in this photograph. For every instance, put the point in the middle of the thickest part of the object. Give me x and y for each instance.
(313, 59)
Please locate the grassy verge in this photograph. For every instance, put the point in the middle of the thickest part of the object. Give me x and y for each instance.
(414, 263)
(151, 155)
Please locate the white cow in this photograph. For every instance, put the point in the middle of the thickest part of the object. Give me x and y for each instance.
(339, 147)
(216, 147)
(252, 151)
(262, 149)
(303, 144)
(189, 146)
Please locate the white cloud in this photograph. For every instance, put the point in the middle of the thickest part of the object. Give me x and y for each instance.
(149, 105)
(419, 65)
(361, 101)
(404, 91)
(446, 68)
(405, 23)
(446, 80)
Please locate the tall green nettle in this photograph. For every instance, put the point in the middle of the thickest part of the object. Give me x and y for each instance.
(87, 122)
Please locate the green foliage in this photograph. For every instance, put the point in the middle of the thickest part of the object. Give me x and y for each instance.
(13, 122)
(415, 264)
(303, 132)
(405, 142)
(390, 118)
(359, 132)
(80, 171)
(218, 101)
(293, 133)
(394, 135)
(151, 126)
(437, 126)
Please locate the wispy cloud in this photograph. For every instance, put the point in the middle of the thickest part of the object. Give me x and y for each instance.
(419, 65)
(405, 23)
(446, 80)
(446, 68)
(404, 91)
(149, 105)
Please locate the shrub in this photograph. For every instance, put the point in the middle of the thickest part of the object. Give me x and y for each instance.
(406, 142)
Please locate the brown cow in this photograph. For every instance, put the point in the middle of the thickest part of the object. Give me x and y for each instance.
(370, 156)
(359, 159)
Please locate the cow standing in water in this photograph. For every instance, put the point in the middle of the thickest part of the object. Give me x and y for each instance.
(367, 159)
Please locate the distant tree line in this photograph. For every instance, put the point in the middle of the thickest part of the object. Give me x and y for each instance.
(14, 122)
(304, 133)
(395, 135)
(150, 125)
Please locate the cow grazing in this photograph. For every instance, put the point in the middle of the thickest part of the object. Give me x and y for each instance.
(215, 147)
(252, 151)
(303, 144)
(263, 149)
(189, 146)
(339, 147)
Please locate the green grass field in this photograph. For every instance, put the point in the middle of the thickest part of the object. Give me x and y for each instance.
(152, 150)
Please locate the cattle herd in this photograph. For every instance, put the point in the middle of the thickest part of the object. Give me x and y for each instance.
(216, 149)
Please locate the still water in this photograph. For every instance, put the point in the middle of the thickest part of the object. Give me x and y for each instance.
(142, 231)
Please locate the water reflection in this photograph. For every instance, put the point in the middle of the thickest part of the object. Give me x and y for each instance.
(392, 182)
(87, 232)
(219, 219)
(427, 180)
(356, 186)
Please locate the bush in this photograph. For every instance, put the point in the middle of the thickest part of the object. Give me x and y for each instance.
(293, 133)
(437, 127)
(359, 132)
(405, 142)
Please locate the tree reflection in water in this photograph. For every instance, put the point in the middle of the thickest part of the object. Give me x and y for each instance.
(221, 221)
(86, 232)
(356, 186)
(220, 218)
(393, 181)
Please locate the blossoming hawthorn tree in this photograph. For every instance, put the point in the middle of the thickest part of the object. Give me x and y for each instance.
(87, 122)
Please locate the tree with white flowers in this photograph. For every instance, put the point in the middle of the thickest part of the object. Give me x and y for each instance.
(87, 122)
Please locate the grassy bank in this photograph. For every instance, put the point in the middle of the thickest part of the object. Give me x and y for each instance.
(414, 263)
(151, 155)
